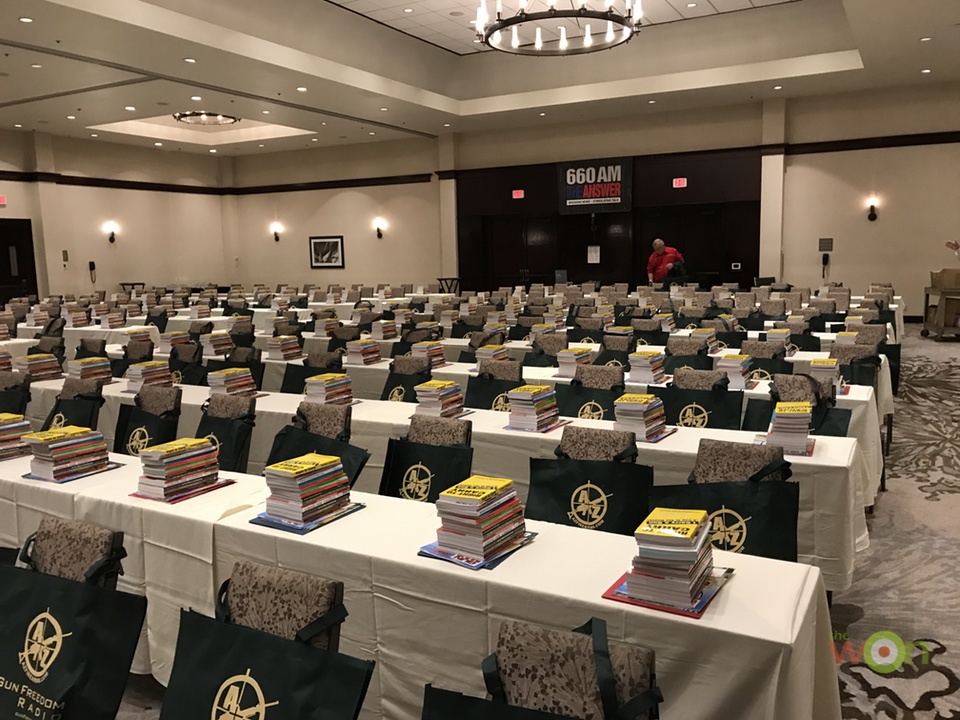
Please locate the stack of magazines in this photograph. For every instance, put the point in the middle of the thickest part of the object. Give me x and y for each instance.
(491, 352)
(779, 335)
(152, 372)
(169, 339)
(708, 334)
(37, 317)
(329, 324)
(383, 329)
(218, 343)
(439, 397)
(847, 337)
(75, 318)
(6, 359)
(533, 407)
(667, 322)
(640, 414)
(306, 489)
(12, 429)
(41, 366)
(283, 347)
(140, 334)
(542, 329)
(826, 370)
(449, 317)
(362, 352)
(732, 323)
(790, 427)
(131, 310)
(646, 366)
(5, 329)
(90, 368)
(232, 381)
(737, 368)
(330, 388)
(569, 358)
(112, 320)
(479, 517)
(432, 350)
(178, 469)
(199, 312)
(64, 454)
(674, 558)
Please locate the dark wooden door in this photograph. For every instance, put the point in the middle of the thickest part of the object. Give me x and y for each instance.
(18, 269)
(540, 244)
(518, 250)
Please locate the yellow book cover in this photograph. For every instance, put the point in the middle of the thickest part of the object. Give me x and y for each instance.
(10, 417)
(152, 364)
(529, 390)
(49, 436)
(727, 316)
(39, 356)
(635, 398)
(279, 339)
(620, 329)
(435, 385)
(303, 464)
(231, 372)
(672, 523)
(545, 325)
(848, 333)
(477, 488)
(703, 331)
(662, 316)
(575, 351)
(824, 362)
(646, 354)
(173, 447)
(327, 377)
(793, 408)
(90, 361)
(740, 358)
(493, 347)
(426, 344)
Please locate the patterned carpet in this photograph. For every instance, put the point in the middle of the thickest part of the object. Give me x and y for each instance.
(904, 603)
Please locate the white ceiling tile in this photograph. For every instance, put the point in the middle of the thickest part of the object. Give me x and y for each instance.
(385, 14)
(659, 11)
(730, 5)
(702, 8)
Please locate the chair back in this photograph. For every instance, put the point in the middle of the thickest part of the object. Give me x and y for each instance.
(599, 377)
(580, 443)
(691, 379)
(502, 369)
(722, 461)
(75, 550)
(332, 421)
(432, 430)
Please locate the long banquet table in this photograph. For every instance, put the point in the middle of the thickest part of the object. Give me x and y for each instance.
(833, 481)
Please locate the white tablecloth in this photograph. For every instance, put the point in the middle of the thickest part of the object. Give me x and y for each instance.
(182, 324)
(18, 347)
(760, 651)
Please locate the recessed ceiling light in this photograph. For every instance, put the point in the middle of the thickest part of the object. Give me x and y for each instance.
(926, 39)
(266, 112)
(651, 102)
(189, 60)
(130, 108)
(213, 150)
(456, 13)
(71, 117)
(926, 71)
(18, 125)
(196, 98)
(323, 123)
(542, 114)
(778, 87)
(301, 89)
(94, 135)
(259, 145)
(158, 144)
(314, 140)
(408, 10)
(476, 40)
(26, 19)
(383, 109)
(446, 124)
(36, 66)
(691, 5)
(372, 132)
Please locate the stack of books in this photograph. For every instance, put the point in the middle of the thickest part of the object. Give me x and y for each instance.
(731, 321)
(619, 330)
(279, 303)
(12, 429)
(138, 334)
(91, 368)
(449, 317)
(169, 339)
(75, 318)
(640, 413)
(4, 331)
(330, 388)
(199, 312)
(737, 368)
(283, 347)
(492, 327)
(847, 337)
(479, 517)
(365, 351)
(232, 381)
(403, 315)
(178, 469)
(557, 319)
(496, 318)
(383, 329)
(779, 335)
(542, 329)
(37, 318)
(511, 311)
(67, 453)
(218, 342)
(99, 309)
(491, 352)
(432, 350)
(708, 334)
(305, 489)
(667, 323)
(112, 320)
(826, 370)
(41, 366)
(790, 426)
(7, 320)
(674, 558)
(153, 372)
(605, 313)
(6, 359)
(429, 325)
(329, 324)
(646, 366)
(469, 307)
(132, 310)
(533, 407)
(569, 358)
(851, 321)
(275, 322)
(439, 397)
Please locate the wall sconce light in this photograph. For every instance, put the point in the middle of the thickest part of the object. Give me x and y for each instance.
(379, 224)
(276, 228)
(872, 204)
(112, 228)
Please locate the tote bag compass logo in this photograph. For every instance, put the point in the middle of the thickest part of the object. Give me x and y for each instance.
(41, 646)
(693, 415)
(588, 505)
(591, 411)
(240, 698)
(416, 482)
(138, 440)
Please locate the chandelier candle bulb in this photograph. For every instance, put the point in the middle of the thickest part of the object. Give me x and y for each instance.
(609, 37)
(539, 41)
(563, 38)
(515, 40)
(638, 11)
(587, 38)
(499, 8)
(496, 38)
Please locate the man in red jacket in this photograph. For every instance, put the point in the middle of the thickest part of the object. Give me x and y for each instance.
(661, 261)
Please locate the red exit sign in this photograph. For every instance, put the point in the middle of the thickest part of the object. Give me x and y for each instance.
(517, 194)
(3, 200)
(679, 183)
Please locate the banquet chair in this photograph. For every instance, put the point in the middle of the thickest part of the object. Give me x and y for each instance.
(686, 352)
(545, 350)
(434, 456)
(158, 316)
(723, 461)
(90, 347)
(581, 443)
(49, 345)
(75, 550)
(773, 308)
(339, 337)
(510, 370)
(554, 671)
(330, 421)
(406, 372)
(597, 377)
(152, 419)
(53, 327)
(78, 403)
(763, 349)
(823, 305)
(14, 392)
(615, 350)
(488, 389)
(691, 379)
(228, 421)
(283, 602)
(198, 328)
(328, 360)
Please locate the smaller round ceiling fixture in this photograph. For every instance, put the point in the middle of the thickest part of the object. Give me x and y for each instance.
(202, 117)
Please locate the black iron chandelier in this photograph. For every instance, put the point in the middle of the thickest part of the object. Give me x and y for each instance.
(555, 31)
(202, 117)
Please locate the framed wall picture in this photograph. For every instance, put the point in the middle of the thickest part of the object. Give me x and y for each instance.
(326, 251)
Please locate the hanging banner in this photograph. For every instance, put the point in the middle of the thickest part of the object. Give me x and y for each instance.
(591, 186)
